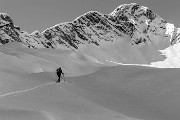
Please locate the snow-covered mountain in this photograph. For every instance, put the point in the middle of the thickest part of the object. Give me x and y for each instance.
(130, 34)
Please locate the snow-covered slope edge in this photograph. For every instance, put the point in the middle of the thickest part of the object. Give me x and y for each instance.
(130, 34)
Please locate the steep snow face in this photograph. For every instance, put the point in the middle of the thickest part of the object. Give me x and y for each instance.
(172, 60)
(169, 29)
(173, 32)
(130, 34)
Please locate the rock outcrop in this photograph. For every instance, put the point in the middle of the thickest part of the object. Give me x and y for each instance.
(8, 32)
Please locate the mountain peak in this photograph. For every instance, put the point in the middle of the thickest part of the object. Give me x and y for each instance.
(5, 19)
(135, 10)
(130, 25)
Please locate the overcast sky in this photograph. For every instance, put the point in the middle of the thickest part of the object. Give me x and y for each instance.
(33, 15)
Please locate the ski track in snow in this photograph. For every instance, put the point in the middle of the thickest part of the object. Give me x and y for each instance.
(26, 90)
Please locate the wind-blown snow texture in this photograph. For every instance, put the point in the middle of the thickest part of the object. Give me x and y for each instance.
(133, 26)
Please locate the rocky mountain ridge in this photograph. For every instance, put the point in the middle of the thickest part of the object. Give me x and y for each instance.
(131, 21)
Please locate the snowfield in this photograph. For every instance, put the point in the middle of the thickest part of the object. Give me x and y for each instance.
(93, 90)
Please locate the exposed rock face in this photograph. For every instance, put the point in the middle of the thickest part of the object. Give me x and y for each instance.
(137, 22)
(8, 32)
(129, 21)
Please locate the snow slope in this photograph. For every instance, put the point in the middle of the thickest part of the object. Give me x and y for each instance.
(30, 75)
(136, 91)
(172, 60)
(123, 92)
(47, 60)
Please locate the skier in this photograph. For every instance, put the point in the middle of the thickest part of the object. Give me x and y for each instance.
(59, 73)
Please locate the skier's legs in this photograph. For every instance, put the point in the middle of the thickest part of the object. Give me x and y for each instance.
(59, 79)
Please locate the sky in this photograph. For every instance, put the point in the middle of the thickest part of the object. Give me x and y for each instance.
(33, 15)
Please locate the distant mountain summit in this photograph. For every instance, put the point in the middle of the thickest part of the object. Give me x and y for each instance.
(129, 32)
